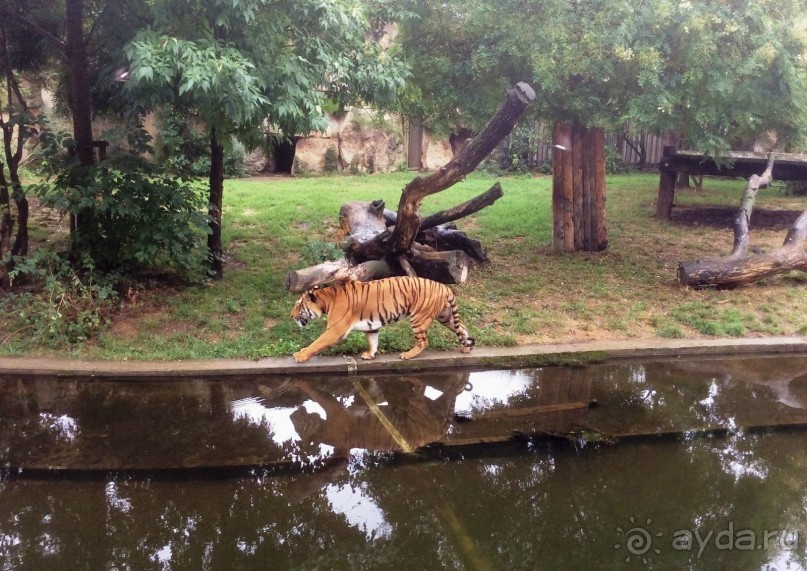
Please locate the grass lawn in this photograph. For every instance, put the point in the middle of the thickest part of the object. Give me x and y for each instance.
(526, 294)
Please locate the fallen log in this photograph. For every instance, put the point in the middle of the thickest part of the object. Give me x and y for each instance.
(401, 241)
(445, 238)
(738, 268)
(298, 281)
(445, 267)
(734, 271)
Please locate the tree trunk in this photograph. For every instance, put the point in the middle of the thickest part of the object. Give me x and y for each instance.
(80, 95)
(6, 230)
(737, 268)
(578, 188)
(214, 250)
(466, 160)
(80, 107)
(13, 157)
(404, 242)
(20, 247)
(743, 221)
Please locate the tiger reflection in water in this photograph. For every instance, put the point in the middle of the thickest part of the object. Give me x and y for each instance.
(415, 419)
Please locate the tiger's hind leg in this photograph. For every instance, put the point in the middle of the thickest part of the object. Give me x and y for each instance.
(450, 317)
(372, 341)
(419, 328)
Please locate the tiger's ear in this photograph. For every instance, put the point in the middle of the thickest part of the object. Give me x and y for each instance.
(311, 295)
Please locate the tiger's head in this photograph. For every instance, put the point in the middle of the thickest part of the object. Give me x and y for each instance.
(306, 308)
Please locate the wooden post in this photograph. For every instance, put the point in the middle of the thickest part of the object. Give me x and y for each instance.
(589, 227)
(666, 185)
(578, 162)
(600, 238)
(562, 188)
(578, 188)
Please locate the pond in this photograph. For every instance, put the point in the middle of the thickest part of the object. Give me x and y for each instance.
(662, 464)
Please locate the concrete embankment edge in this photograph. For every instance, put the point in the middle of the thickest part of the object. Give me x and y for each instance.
(480, 358)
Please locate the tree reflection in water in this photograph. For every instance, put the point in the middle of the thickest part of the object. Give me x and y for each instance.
(341, 504)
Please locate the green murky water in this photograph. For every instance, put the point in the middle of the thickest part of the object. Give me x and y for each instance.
(658, 465)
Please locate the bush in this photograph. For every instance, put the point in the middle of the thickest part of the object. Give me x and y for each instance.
(614, 163)
(63, 305)
(513, 155)
(317, 251)
(132, 217)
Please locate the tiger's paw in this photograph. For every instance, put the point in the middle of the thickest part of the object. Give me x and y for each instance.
(367, 356)
(301, 357)
(464, 349)
(412, 353)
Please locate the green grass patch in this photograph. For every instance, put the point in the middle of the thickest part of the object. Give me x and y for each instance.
(526, 294)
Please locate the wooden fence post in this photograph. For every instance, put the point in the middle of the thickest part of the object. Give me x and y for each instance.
(578, 188)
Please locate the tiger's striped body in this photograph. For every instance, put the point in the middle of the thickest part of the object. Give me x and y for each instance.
(368, 306)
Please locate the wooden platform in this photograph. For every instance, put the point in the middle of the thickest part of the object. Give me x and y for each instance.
(743, 165)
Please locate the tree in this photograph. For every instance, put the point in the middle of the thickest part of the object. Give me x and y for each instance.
(237, 67)
(18, 54)
(716, 71)
(85, 37)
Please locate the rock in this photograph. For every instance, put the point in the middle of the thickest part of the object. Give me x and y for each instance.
(310, 154)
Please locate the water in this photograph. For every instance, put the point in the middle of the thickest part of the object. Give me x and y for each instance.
(657, 465)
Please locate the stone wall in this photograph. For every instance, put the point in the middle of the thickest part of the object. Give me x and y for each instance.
(360, 141)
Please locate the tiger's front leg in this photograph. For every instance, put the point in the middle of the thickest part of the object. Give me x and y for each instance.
(372, 341)
(329, 338)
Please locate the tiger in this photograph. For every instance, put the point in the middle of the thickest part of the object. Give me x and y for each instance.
(368, 306)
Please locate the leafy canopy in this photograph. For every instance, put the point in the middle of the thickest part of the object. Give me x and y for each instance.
(238, 63)
(718, 71)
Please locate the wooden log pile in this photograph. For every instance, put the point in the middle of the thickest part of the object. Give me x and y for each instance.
(738, 268)
(381, 243)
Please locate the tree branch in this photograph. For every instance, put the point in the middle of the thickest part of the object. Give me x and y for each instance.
(743, 220)
(36, 28)
(466, 160)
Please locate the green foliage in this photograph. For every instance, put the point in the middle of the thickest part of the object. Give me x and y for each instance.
(236, 64)
(720, 73)
(614, 163)
(133, 216)
(513, 154)
(317, 251)
(184, 148)
(62, 305)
